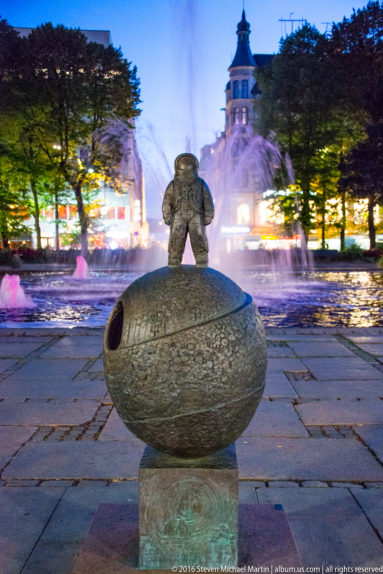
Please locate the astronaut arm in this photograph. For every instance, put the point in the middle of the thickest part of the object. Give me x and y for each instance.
(167, 204)
(208, 204)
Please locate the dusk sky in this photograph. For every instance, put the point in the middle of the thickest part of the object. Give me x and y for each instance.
(182, 49)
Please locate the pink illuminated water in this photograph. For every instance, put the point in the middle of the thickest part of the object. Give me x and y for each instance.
(12, 295)
(81, 271)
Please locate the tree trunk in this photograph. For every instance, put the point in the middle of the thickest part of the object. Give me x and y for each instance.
(83, 218)
(306, 214)
(323, 222)
(57, 225)
(36, 214)
(371, 223)
(4, 239)
(343, 221)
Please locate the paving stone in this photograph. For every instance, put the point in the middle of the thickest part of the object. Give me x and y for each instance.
(24, 512)
(55, 412)
(320, 349)
(275, 418)
(11, 439)
(345, 485)
(83, 483)
(314, 484)
(75, 346)
(372, 503)
(373, 437)
(375, 349)
(17, 348)
(280, 351)
(49, 369)
(97, 367)
(115, 429)
(65, 534)
(277, 385)
(366, 339)
(338, 389)
(23, 483)
(266, 458)
(6, 364)
(291, 336)
(373, 484)
(59, 483)
(279, 365)
(328, 526)
(51, 388)
(321, 413)
(79, 460)
(341, 368)
(18, 338)
(283, 484)
(247, 491)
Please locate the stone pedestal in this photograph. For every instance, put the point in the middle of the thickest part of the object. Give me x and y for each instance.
(188, 510)
(111, 546)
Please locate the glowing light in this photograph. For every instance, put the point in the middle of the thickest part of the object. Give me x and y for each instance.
(235, 229)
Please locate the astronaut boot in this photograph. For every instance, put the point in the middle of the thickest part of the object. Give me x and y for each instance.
(173, 262)
(201, 260)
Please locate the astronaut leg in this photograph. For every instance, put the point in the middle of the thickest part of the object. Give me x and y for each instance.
(177, 240)
(199, 241)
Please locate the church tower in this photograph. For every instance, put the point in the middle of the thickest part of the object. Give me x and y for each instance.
(241, 89)
(231, 164)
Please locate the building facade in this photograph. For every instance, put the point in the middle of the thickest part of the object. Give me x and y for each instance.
(118, 216)
(233, 164)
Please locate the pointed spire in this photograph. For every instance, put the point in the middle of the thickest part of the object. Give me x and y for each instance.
(243, 25)
(243, 55)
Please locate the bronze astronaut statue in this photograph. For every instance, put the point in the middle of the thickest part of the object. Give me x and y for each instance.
(187, 207)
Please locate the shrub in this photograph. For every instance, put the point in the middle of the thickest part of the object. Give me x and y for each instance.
(6, 257)
(28, 255)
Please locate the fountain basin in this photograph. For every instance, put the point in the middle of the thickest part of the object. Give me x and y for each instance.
(300, 299)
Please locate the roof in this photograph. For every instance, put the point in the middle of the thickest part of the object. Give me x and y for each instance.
(243, 55)
(262, 60)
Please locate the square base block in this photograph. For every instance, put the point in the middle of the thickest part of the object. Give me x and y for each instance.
(188, 510)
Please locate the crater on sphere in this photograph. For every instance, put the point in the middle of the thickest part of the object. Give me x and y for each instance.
(185, 359)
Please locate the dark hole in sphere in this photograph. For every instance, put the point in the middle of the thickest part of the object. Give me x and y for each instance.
(115, 329)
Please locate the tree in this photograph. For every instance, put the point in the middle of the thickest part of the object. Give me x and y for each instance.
(77, 89)
(355, 56)
(355, 51)
(295, 104)
(362, 173)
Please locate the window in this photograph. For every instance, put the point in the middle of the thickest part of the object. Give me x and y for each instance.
(235, 89)
(120, 212)
(72, 212)
(245, 89)
(244, 115)
(48, 213)
(63, 212)
(243, 214)
(111, 213)
(236, 115)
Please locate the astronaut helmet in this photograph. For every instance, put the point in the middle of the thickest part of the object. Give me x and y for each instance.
(186, 164)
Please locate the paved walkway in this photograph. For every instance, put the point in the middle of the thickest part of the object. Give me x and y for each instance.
(315, 445)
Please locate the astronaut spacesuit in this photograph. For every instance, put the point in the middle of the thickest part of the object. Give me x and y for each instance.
(187, 207)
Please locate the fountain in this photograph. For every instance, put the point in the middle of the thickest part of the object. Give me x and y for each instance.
(12, 295)
(81, 271)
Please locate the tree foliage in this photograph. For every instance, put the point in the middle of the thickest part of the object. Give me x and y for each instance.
(61, 92)
(317, 98)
